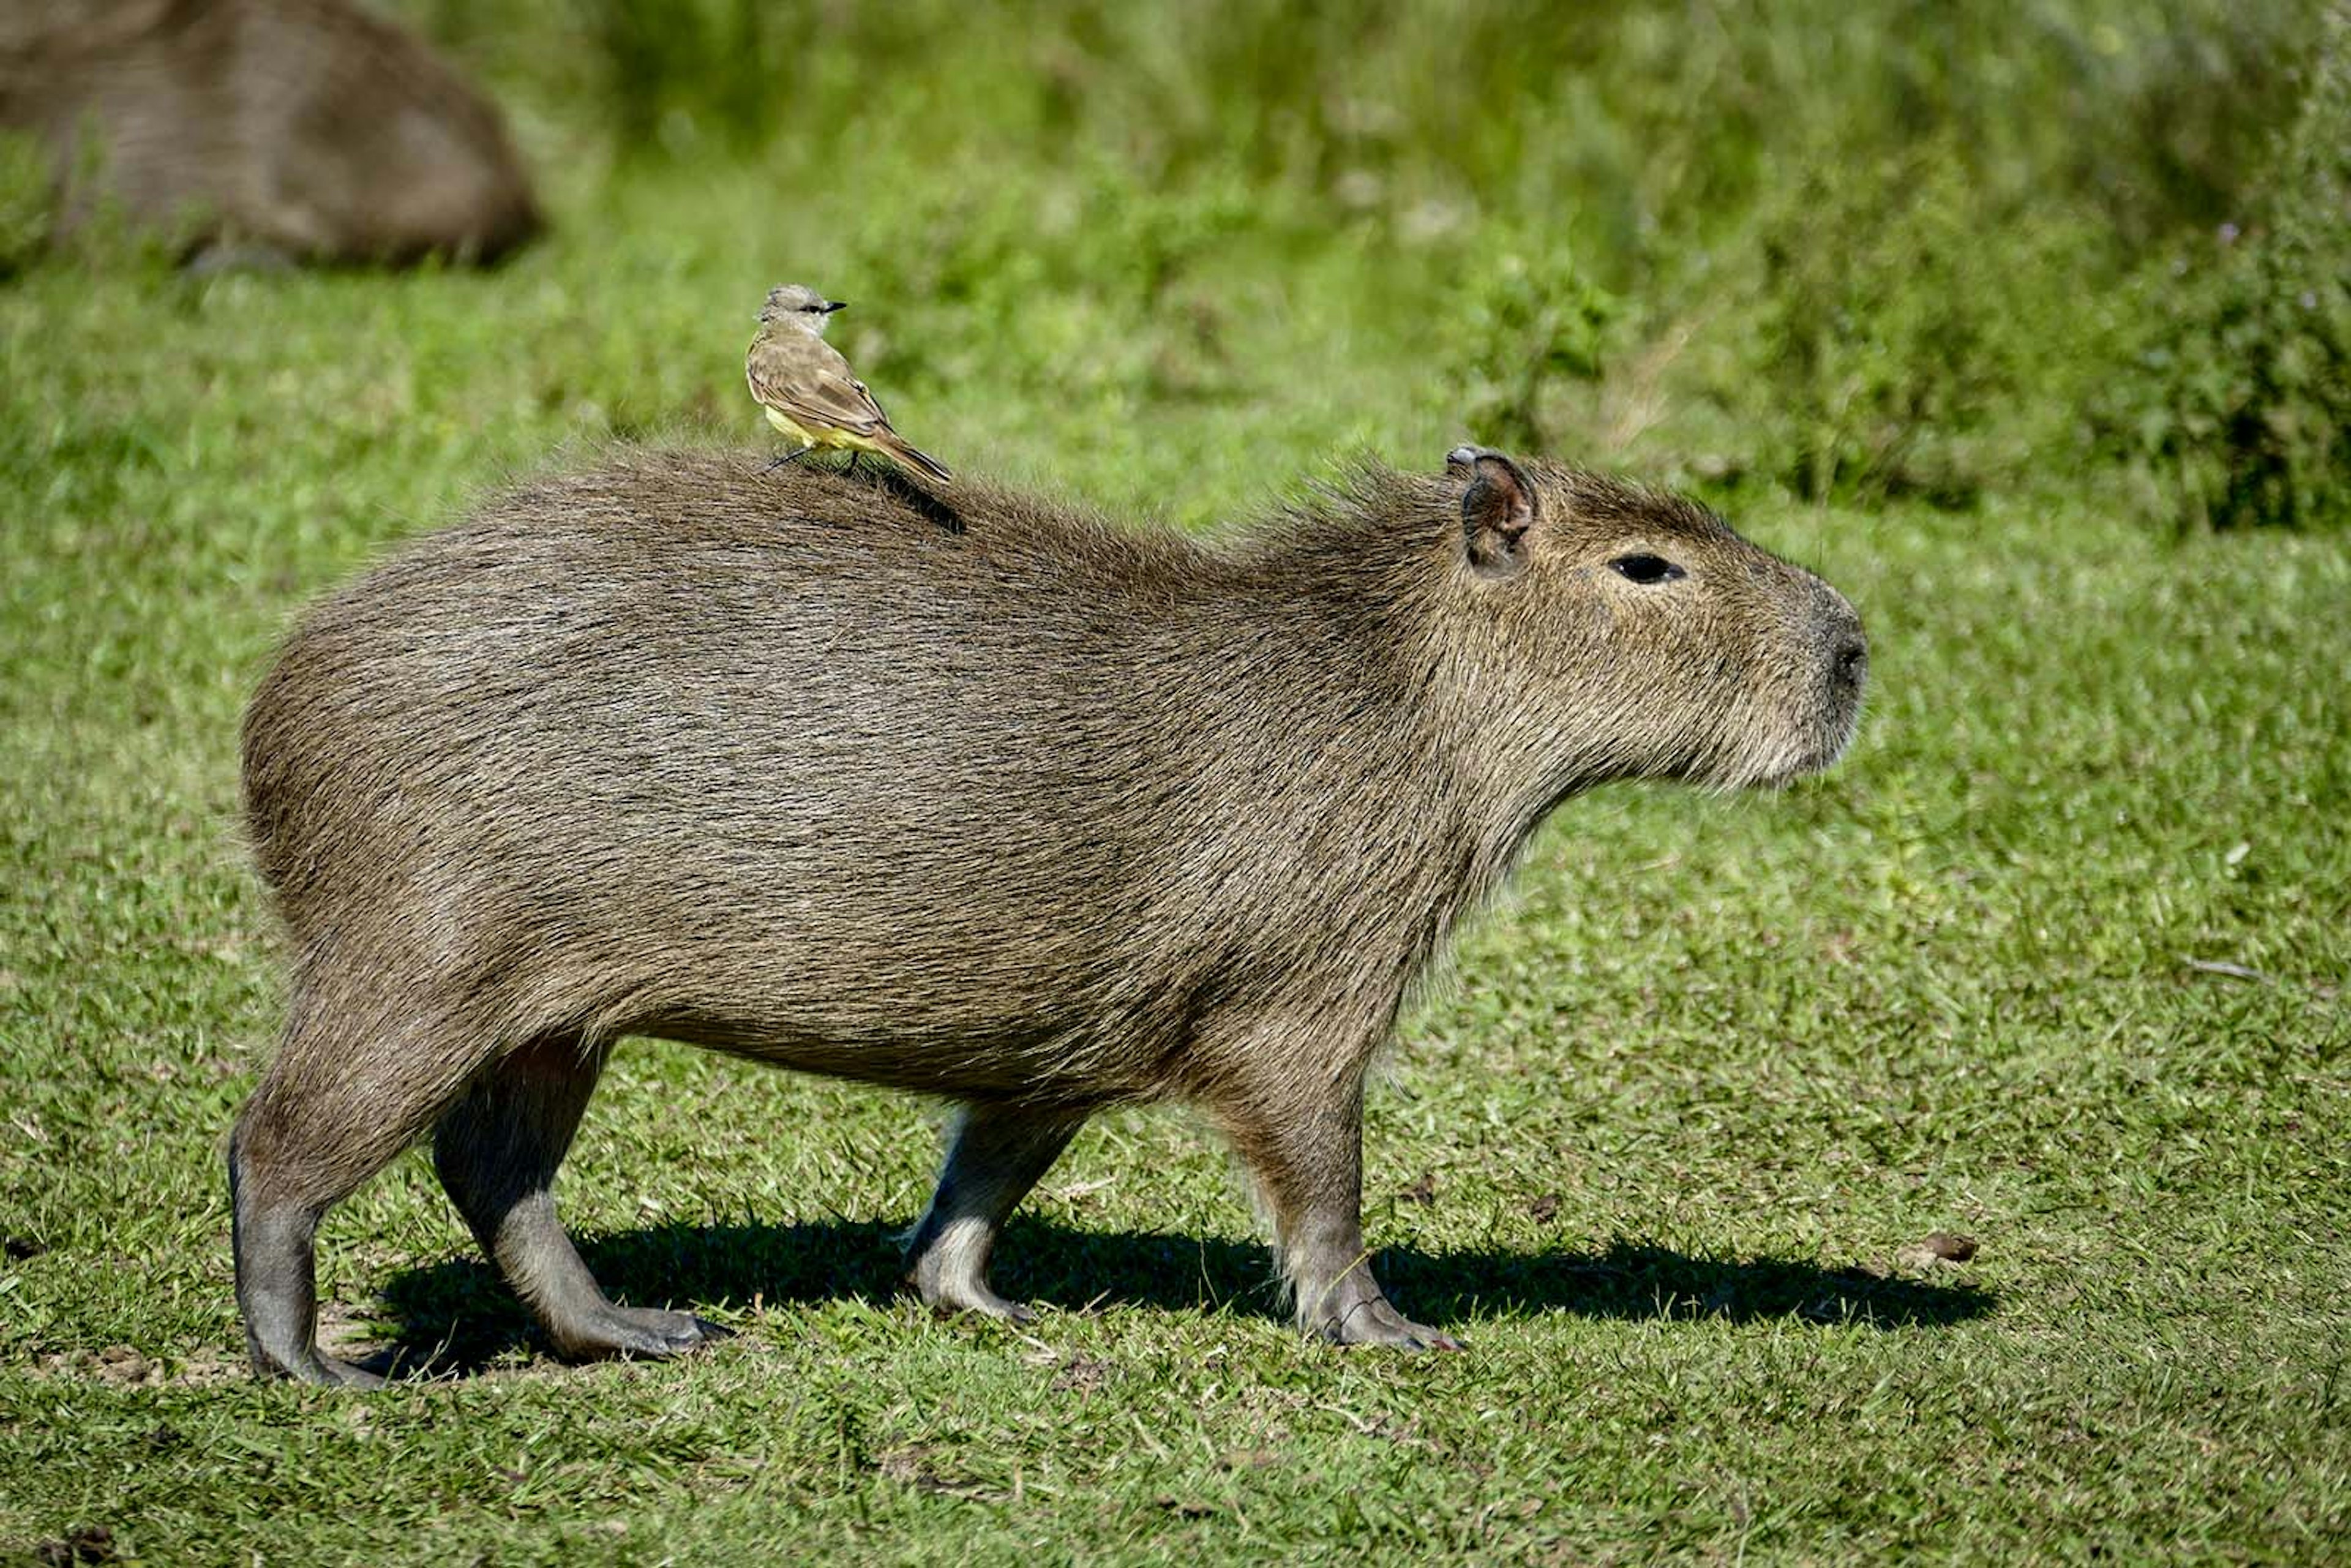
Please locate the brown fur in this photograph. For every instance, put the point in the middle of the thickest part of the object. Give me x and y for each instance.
(1042, 815)
(304, 127)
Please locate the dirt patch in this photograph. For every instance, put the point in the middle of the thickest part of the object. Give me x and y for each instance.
(1939, 1250)
(126, 1366)
(1082, 1373)
(90, 1543)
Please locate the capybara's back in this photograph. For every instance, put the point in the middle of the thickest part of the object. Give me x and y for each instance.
(306, 128)
(776, 763)
(1003, 803)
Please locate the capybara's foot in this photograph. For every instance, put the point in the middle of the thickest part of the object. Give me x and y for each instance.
(319, 1370)
(951, 1284)
(976, 1299)
(650, 1332)
(1373, 1322)
(348, 1374)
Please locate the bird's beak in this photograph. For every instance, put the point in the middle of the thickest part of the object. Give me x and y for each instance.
(832, 304)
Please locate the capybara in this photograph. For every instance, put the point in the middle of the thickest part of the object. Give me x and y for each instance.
(302, 129)
(1001, 802)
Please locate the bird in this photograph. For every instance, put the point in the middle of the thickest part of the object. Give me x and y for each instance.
(808, 390)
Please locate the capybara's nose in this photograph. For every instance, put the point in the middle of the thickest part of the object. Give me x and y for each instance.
(1852, 658)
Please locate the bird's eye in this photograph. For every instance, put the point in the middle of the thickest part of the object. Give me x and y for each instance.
(1645, 568)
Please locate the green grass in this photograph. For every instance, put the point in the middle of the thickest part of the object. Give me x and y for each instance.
(1654, 1151)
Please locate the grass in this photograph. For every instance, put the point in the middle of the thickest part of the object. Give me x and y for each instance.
(1657, 1151)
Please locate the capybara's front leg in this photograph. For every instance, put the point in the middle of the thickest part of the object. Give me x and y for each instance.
(1304, 1144)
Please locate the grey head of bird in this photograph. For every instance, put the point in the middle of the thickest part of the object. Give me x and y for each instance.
(797, 305)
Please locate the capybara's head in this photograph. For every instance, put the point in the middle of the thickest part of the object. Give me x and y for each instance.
(1616, 633)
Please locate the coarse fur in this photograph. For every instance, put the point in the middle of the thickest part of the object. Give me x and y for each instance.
(1039, 814)
(303, 130)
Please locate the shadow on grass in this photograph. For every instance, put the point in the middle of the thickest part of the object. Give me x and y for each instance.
(458, 1316)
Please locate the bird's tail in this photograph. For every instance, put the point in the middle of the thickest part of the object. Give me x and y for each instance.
(915, 457)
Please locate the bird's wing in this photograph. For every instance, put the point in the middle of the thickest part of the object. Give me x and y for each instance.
(871, 401)
(814, 389)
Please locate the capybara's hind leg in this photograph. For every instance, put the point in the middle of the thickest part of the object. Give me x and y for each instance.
(277, 1278)
(327, 1117)
(496, 1151)
(995, 1154)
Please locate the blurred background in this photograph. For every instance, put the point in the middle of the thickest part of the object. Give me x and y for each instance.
(1853, 251)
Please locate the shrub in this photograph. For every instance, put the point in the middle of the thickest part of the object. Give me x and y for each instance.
(26, 195)
(1904, 330)
(1530, 324)
(2235, 409)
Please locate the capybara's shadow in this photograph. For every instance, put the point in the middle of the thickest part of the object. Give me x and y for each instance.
(457, 1316)
(893, 482)
(881, 474)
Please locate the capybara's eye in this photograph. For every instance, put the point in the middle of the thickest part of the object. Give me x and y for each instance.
(1647, 569)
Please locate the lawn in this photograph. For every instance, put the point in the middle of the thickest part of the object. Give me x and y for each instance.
(2054, 960)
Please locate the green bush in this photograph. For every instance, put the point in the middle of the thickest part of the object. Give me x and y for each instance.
(1637, 128)
(1523, 323)
(1902, 331)
(1105, 283)
(26, 198)
(1866, 251)
(2236, 406)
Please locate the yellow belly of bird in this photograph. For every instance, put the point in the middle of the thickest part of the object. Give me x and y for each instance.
(813, 435)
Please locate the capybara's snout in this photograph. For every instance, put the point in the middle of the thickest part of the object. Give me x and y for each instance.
(1843, 648)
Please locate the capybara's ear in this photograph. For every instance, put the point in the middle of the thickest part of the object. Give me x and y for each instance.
(1497, 510)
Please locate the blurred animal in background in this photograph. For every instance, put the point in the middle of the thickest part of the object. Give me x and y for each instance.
(809, 391)
(257, 129)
